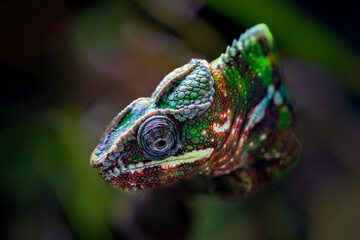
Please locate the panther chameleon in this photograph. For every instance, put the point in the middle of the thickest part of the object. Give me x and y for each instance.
(229, 120)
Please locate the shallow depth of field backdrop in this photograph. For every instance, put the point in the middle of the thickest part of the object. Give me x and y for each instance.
(68, 67)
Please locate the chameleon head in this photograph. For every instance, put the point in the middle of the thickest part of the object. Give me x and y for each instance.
(146, 145)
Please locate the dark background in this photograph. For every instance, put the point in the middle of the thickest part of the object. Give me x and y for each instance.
(67, 67)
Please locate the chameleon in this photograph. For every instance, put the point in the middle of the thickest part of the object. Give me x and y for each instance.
(229, 120)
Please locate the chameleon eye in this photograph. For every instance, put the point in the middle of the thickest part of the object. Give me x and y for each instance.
(158, 138)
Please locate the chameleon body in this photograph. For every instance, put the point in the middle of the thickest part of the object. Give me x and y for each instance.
(229, 120)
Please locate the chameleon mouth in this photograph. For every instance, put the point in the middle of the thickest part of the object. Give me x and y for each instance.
(174, 161)
(165, 164)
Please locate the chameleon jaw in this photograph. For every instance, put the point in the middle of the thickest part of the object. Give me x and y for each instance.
(130, 177)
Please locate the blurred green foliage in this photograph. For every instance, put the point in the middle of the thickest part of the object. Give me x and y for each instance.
(83, 197)
(298, 34)
(53, 151)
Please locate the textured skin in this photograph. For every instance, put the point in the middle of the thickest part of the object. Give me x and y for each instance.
(232, 119)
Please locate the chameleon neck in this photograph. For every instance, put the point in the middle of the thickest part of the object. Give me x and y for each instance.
(231, 110)
(240, 89)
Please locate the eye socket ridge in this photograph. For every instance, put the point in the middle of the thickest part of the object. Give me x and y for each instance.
(158, 138)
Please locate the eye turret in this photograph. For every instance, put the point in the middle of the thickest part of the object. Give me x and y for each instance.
(158, 138)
